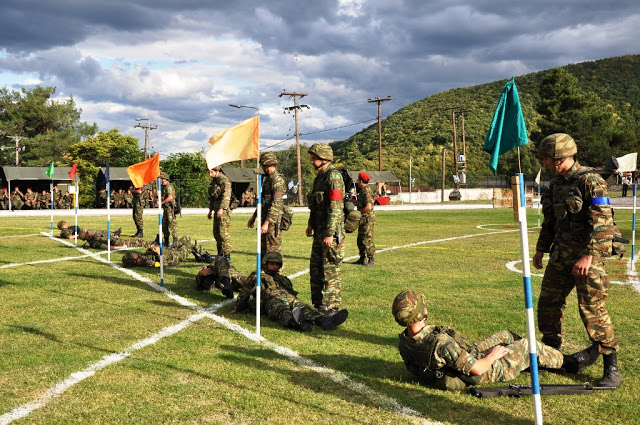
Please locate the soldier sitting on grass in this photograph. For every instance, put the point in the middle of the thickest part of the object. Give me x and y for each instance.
(278, 298)
(442, 357)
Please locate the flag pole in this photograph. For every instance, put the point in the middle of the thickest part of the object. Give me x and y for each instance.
(520, 214)
(51, 187)
(633, 228)
(108, 188)
(75, 230)
(160, 235)
(258, 250)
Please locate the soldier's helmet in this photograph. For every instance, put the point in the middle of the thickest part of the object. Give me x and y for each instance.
(557, 146)
(61, 223)
(164, 175)
(268, 158)
(272, 257)
(218, 168)
(130, 259)
(322, 151)
(409, 307)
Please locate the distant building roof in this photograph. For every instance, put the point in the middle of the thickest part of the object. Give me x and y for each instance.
(35, 173)
(376, 176)
(240, 175)
(115, 174)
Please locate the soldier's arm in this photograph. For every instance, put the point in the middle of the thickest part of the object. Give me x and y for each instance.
(277, 204)
(336, 193)
(547, 230)
(226, 194)
(450, 353)
(600, 216)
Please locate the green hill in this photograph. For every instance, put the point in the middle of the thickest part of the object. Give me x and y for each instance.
(423, 128)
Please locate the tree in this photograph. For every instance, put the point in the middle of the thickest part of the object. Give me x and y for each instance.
(111, 148)
(46, 127)
(189, 173)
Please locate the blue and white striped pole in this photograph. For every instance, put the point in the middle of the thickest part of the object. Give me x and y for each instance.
(51, 207)
(75, 231)
(160, 235)
(108, 220)
(633, 229)
(258, 251)
(539, 204)
(517, 184)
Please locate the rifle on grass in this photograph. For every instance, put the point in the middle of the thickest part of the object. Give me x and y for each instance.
(518, 390)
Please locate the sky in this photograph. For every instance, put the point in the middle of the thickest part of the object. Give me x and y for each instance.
(180, 63)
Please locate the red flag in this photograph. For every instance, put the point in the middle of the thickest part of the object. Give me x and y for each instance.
(72, 173)
(144, 172)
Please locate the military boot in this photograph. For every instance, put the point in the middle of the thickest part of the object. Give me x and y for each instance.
(227, 289)
(370, 263)
(300, 322)
(138, 234)
(156, 241)
(611, 377)
(577, 362)
(332, 319)
(117, 232)
(165, 241)
(360, 261)
(228, 257)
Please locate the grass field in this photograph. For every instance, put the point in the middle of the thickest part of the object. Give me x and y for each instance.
(82, 341)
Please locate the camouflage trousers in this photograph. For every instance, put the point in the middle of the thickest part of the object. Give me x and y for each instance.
(517, 359)
(592, 290)
(222, 233)
(137, 215)
(366, 245)
(174, 254)
(169, 223)
(270, 241)
(324, 272)
(279, 304)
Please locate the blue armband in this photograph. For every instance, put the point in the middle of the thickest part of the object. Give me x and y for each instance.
(601, 200)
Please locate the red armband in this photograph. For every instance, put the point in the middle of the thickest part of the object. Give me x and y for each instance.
(335, 195)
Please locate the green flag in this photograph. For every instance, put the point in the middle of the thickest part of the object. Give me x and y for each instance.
(507, 129)
(49, 170)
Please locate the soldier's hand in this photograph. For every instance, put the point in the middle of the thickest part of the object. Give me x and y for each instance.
(309, 231)
(581, 267)
(234, 311)
(328, 241)
(219, 213)
(264, 228)
(209, 215)
(251, 221)
(537, 260)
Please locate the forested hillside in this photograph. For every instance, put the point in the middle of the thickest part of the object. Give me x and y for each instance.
(422, 129)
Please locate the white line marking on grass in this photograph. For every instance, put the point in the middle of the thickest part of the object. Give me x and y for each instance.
(109, 359)
(19, 236)
(337, 377)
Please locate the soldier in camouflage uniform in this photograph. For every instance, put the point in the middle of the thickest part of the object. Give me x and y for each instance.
(68, 232)
(578, 231)
(44, 200)
(17, 199)
(219, 274)
(57, 197)
(273, 187)
(366, 245)
(442, 357)
(31, 199)
(326, 225)
(172, 255)
(219, 200)
(138, 211)
(169, 223)
(4, 199)
(278, 298)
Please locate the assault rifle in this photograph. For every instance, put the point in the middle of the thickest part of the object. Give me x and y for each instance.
(518, 390)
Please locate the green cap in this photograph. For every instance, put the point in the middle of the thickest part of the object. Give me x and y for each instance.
(409, 307)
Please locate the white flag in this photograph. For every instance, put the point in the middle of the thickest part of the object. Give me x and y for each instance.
(537, 180)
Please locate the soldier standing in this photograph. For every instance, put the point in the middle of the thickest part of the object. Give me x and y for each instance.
(366, 244)
(219, 200)
(57, 197)
(443, 357)
(577, 231)
(138, 210)
(326, 226)
(273, 187)
(169, 223)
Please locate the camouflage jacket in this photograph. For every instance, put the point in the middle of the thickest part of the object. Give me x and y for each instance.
(326, 202)
(167, 190)
(273, 187)
(365, 196)
(270, 285)
(219, 193)
(578, 219)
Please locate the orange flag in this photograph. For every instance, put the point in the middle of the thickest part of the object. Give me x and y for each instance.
(235, 143)
(144, 172)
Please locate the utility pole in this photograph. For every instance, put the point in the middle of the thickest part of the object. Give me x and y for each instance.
(464, 147)
(295, 109)
(379, 101)
(17, 139)
(146, 127)
(453, 110)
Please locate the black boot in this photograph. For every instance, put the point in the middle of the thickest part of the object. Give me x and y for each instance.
(138, 234)
(228, 257)
(370, 263)
(300, 322)
(156, 241)
(197, 256)
(360, 261)
(227, 289)
(165, 241)
(117, 232)
(332, 319)
(577, 362)
(611, 377)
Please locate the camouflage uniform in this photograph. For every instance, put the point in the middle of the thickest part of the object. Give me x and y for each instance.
(277, 296)
(578, 220)
(57, 197)
(451, 357)
(4, 200)
(169, 223)
(17, 200)
(44, 200)
(31, 200)
(326, 219)
(172, 255)
(100, 242)
(366, 245)
(138, 210)
(273, 187)
(219, 198)
(213, 274)
(70, 231)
